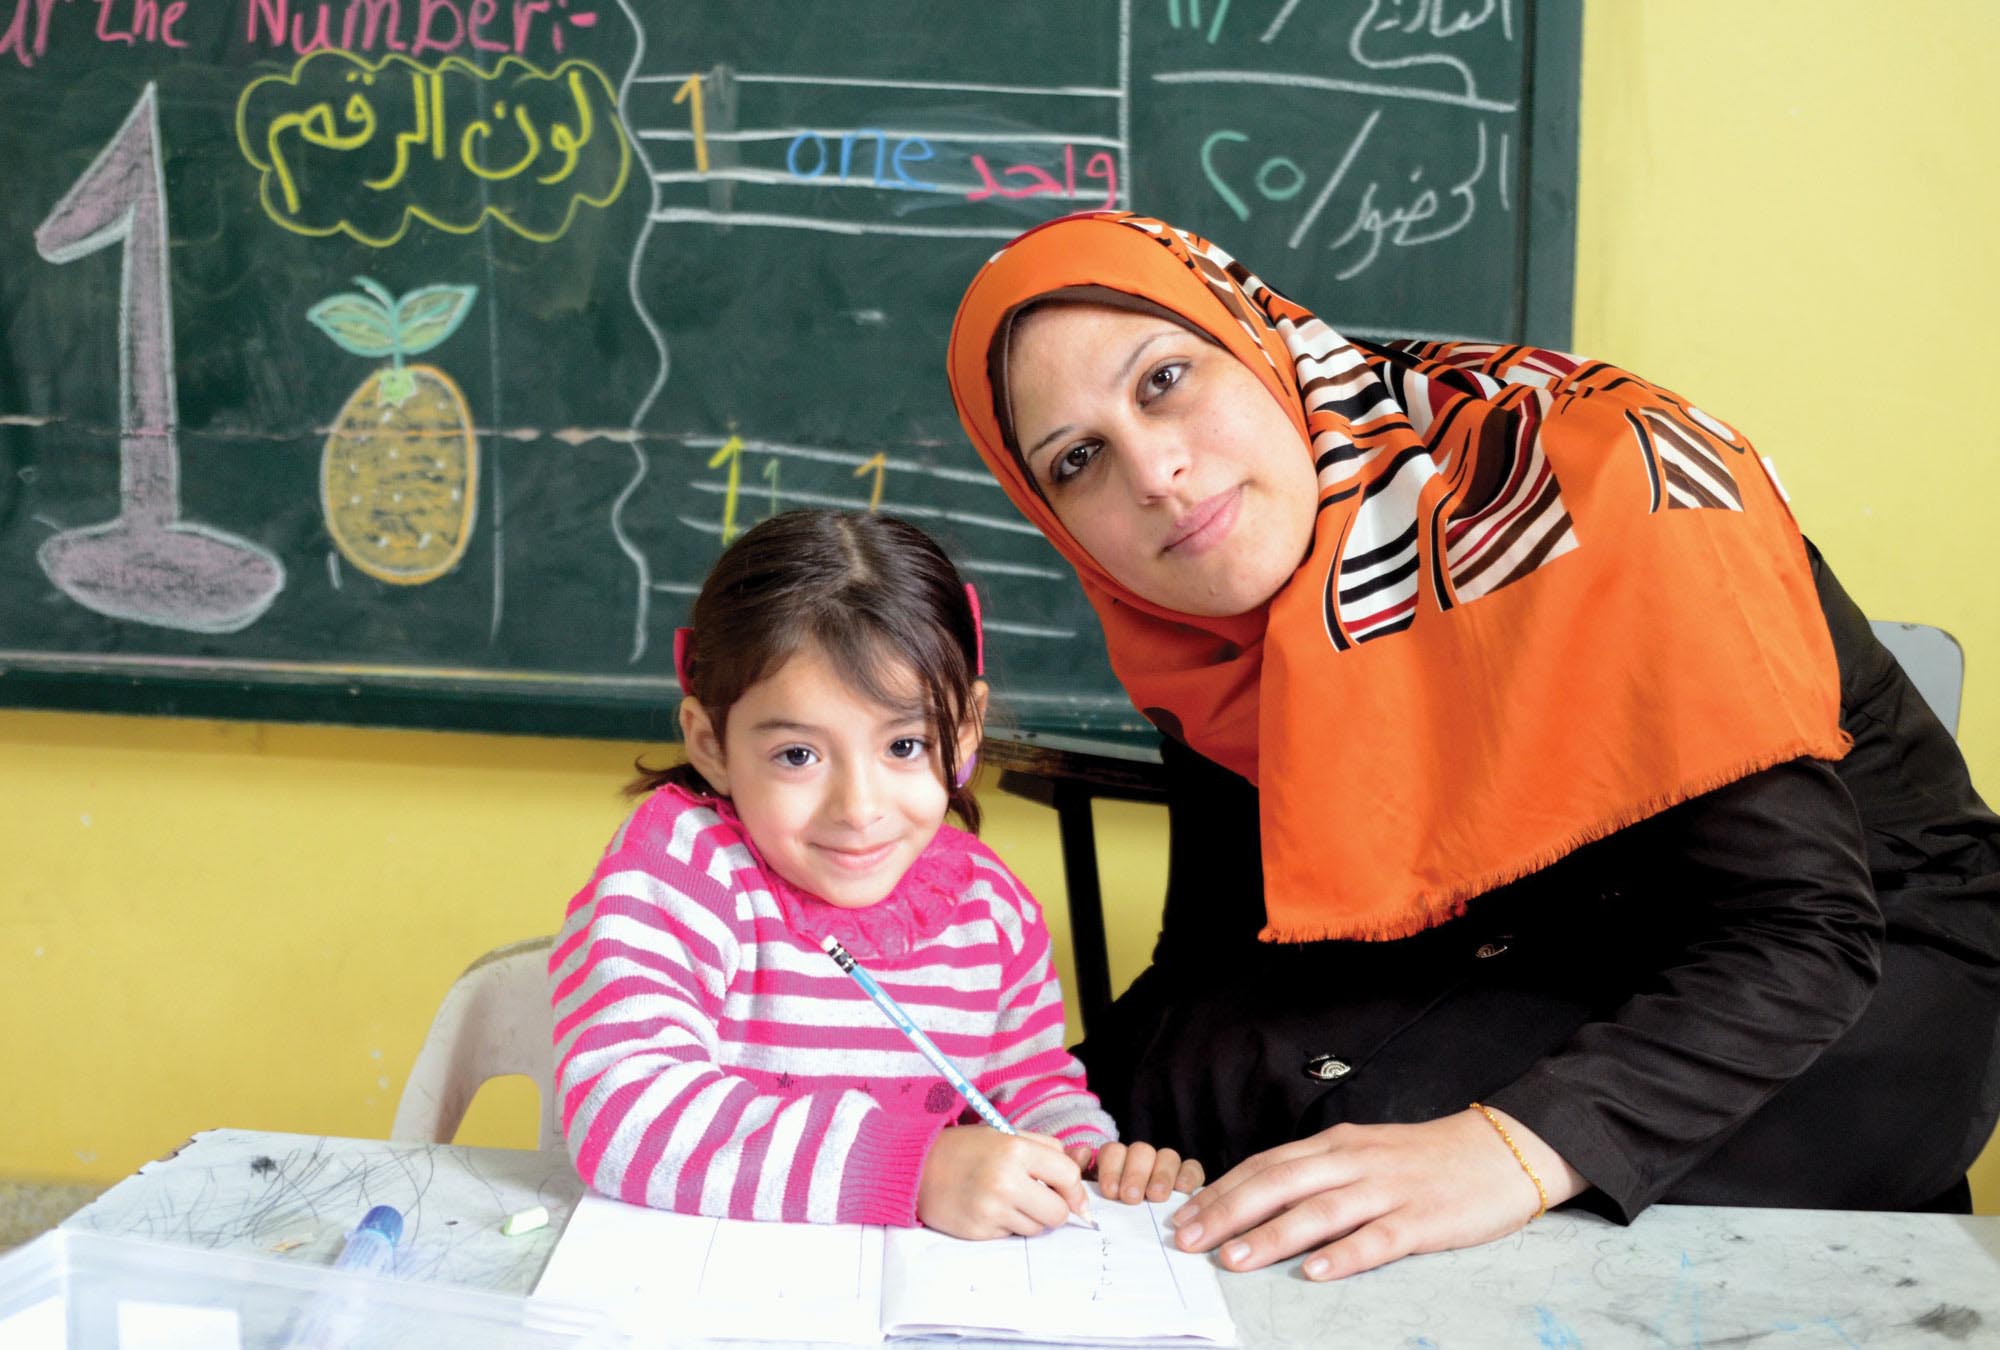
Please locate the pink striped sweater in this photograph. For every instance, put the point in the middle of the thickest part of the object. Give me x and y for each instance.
(712, 1059)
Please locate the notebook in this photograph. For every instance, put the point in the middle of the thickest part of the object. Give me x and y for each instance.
(674, 1277)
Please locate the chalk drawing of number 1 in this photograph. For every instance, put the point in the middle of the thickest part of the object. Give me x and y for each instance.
(147, 565)
(400, 477)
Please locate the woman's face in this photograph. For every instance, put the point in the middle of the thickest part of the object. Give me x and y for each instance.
(1163, 455)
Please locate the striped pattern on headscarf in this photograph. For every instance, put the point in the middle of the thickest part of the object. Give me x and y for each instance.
(1545, 597)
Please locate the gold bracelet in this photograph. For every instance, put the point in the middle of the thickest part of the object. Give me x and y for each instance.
(1515, 1149)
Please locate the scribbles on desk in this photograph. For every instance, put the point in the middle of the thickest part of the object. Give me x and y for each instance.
(211, 1195)
(1677, 1278)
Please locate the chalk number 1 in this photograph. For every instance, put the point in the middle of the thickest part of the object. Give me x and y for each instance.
(147, 564)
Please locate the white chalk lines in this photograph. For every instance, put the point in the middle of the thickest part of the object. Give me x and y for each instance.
(924, 161)
(968, 179)
(964, 523)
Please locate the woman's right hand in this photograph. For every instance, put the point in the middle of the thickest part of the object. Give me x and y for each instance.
(980, 1183)
(1365, 1195)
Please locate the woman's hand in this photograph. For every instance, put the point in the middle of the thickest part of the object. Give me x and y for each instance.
(980, 1183)
(1135, 1172)
(1374, 1193)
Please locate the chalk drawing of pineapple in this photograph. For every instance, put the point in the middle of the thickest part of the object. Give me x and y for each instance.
(400, 475)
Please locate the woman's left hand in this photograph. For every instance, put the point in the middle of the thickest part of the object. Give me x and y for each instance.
(1135, 1172)
(1373, 1193)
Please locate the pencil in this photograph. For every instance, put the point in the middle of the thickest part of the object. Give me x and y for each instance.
(893, 1010)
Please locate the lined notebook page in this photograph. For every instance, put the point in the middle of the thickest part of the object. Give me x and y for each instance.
(679, 1276)
(1124, 1282)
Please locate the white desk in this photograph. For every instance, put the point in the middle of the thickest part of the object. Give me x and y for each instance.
(1679, 1277)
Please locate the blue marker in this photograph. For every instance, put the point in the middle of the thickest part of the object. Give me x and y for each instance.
(370, 1250)
(940, 1061)
(371, 1247)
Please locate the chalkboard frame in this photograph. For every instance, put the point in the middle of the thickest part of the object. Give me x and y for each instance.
(646, 710)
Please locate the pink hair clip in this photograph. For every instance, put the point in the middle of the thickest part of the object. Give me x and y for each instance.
(683, 653)
(978, 632)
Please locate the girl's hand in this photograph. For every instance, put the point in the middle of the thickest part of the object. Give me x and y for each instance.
(1135, 1172)
(1373, 1193)
(980, 1183)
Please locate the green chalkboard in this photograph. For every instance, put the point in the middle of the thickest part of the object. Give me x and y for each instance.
(408, 361)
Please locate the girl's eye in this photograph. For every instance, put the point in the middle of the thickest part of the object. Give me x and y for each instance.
(908, 747)
(1073, 461)
(796, 757)
(1160, 379)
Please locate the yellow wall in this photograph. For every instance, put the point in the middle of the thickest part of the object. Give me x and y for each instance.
(1786, 212)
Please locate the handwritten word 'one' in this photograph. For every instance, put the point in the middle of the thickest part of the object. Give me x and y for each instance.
(810, 157)
(348, 145)
(415, 27)
(886, 160)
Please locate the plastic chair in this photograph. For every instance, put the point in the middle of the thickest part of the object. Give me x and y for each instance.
(1932, 659)
(495, 1020)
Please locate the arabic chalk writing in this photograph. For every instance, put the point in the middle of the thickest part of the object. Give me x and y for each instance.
(1041, 182)
(1360, 190)
(349, 145)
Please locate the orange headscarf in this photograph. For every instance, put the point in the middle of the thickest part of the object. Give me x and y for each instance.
(1450, 693)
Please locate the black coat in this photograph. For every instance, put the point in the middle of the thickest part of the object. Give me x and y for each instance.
(1707, 1007)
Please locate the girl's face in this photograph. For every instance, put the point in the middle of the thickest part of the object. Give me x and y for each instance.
(838, 792)
(1162, 455)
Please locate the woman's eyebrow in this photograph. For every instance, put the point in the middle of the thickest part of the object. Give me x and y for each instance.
(1118, 377)
(1124, 370)
(1062, 430)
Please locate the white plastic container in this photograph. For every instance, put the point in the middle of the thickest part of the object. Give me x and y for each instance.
(82, 1291)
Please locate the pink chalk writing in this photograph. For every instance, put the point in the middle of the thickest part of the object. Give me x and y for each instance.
(26, 36)
(1033, 180)
(140, 21)
(413, 26)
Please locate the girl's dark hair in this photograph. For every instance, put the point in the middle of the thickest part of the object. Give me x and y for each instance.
(871, 592)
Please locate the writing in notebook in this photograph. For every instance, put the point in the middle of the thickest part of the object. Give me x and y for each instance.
(676, 1276)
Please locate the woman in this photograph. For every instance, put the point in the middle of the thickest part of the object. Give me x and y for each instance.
(1515, 740)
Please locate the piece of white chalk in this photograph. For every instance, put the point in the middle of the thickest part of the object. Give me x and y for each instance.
(527, 1221)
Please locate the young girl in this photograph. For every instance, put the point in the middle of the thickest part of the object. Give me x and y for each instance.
(710, 1057)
